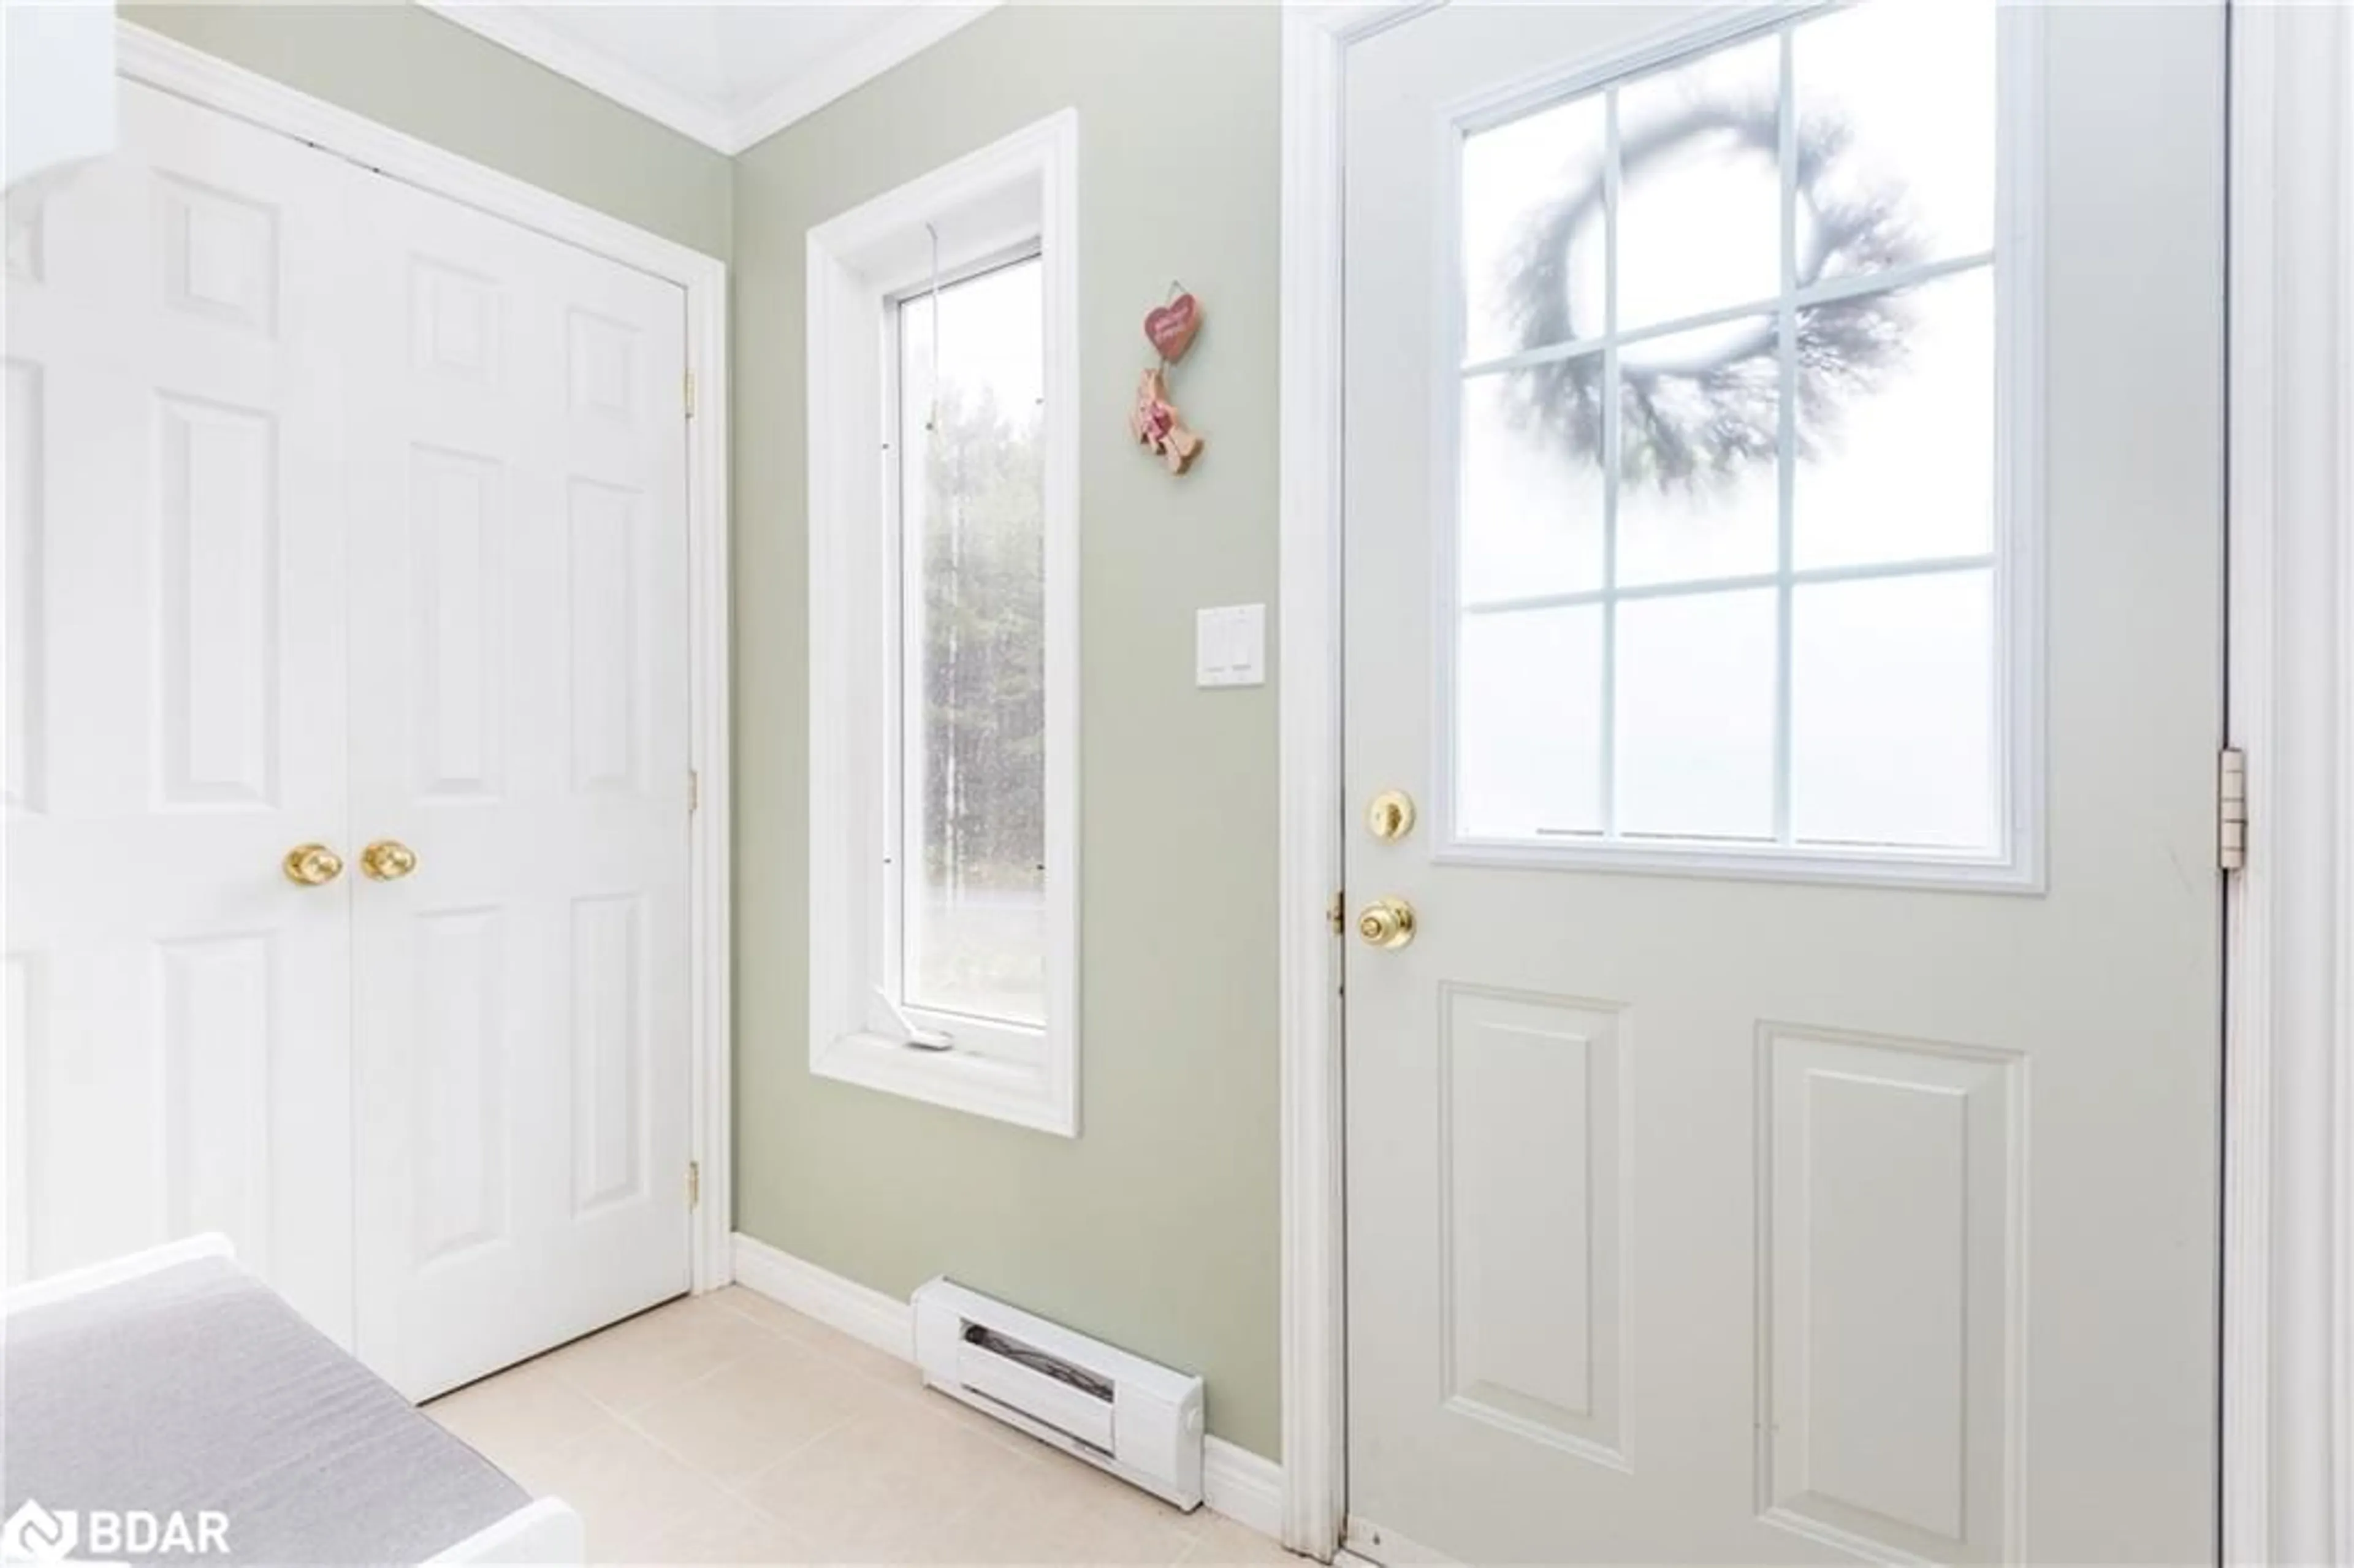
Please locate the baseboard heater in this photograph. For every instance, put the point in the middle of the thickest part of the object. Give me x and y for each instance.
(1139, 1420)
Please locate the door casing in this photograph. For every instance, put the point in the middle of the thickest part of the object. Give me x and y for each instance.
(2281, 127)
(2288, 1108)
(173, 68)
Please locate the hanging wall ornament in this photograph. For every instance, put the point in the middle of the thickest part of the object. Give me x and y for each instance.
(1157, 424)
(1170, 328)
(1709, 416)
(1153, 419)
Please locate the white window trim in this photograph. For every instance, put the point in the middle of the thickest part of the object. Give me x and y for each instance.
(2016, 864)
(1022, 188)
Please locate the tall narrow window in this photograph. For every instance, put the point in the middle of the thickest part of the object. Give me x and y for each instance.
(969, 845)
(1738, 554)
(944, 626)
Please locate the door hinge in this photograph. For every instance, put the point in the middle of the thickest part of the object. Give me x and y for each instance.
(694, 1184)
(1332, 915)
(694, 790)
(2231, 810)
(690, 393)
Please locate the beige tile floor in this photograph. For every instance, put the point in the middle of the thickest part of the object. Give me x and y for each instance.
(729, 1429)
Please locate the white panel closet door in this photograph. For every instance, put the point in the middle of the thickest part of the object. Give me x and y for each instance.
(520, 687)
(176, 1010)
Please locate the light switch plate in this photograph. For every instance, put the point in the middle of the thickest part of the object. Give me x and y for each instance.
(1230, 646)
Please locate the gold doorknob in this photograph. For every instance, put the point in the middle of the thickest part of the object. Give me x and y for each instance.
(1390, 815)
(388, 859)
(311, 865)
(1387, 923)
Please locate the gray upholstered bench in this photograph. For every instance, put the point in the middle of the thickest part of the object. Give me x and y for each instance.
(175, 1386)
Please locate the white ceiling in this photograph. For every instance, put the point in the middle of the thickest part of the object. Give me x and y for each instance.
(724, 74)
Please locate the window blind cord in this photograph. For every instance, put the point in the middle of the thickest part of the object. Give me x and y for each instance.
(932, 420)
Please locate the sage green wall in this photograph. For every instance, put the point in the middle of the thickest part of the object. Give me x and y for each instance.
(404, 66)
(1156, 1228)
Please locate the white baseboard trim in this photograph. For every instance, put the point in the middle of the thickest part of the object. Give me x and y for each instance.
(867, 1316)
(1235, 1482)
(1243, 1487)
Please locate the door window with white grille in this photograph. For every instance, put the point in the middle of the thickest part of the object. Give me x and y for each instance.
(1739, 573)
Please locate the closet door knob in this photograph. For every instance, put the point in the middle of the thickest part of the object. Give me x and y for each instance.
(388, 859)
(311, 865)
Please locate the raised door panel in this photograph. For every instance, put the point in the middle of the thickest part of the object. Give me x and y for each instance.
(457, 1089)
(607, 1027)
(457, 324)
(602, 369)
(218, 1044)
(87, 1127)
(456, 508)
(26, 252)
(1531, 1194)
(220, 254)
(1891, 1290)
(603, 642)
(219, 577)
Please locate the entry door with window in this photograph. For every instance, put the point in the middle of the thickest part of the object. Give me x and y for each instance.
(1783, 574)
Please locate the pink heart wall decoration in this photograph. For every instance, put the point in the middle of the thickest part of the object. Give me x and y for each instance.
(1172, 327)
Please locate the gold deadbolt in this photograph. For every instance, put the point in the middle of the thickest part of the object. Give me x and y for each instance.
(1387, 923)
(311, 865)
(388, 859)
(1390, 817)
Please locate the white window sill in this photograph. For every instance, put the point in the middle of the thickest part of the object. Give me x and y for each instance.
(1026, 1094)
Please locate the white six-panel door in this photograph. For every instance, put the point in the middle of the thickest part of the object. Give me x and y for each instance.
(519, 722)
(340, 513)
(178, 1012)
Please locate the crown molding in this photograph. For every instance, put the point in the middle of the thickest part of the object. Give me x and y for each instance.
(512, 29)
(805, 93)
(839, 73)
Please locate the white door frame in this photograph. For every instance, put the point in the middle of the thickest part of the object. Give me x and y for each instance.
(191, 74)
(2288, 1133)
(2288, 1266)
